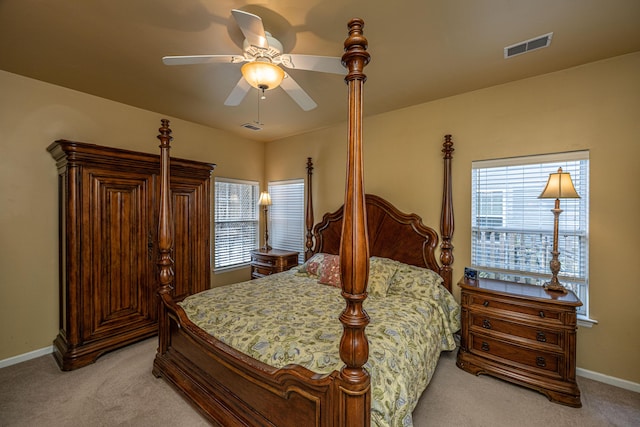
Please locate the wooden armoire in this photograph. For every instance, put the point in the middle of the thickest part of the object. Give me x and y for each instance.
(108, 214)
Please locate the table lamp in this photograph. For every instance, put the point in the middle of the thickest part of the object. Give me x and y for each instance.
(558, 187)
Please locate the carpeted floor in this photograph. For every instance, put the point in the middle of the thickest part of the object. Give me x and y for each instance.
(119, 390)
(457, 398)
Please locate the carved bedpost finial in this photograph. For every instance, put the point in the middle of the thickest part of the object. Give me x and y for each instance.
(356, 56)
(165, 133)
(447, 147)
(309, 213)
(446, 219)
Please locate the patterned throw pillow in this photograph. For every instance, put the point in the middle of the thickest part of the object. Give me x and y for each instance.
(312, 266)
(420, 283)
(330, 271)
(381, 272)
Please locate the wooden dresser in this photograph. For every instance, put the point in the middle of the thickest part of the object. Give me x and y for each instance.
(108, 214)
(522, 334)
(264, 263)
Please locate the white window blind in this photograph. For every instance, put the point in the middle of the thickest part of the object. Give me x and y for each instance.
(512, 230)
(236, 221)
(286, 216)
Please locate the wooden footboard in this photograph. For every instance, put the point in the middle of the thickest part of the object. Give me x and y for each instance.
(231, 389)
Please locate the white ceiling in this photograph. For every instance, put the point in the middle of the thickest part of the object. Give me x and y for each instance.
(421, 50)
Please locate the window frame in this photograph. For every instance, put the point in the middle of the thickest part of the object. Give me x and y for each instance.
(493, 249)
(250, 221)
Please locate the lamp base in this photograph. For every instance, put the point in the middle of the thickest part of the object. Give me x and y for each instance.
(555, 287)
(266, 248)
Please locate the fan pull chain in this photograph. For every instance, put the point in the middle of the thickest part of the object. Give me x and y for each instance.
(260, 97)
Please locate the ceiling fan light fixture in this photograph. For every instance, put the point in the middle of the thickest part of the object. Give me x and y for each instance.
(262, 75)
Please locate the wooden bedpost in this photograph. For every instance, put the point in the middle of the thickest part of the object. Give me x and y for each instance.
(309, 212)
(446, 218)
(355, 399)
(165, 237)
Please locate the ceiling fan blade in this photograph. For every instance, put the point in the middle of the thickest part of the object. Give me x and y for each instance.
(201, 59)
(252, 28)
(323, 64)
(297, 93)
(238, 93)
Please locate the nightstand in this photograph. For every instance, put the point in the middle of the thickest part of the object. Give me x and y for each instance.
(264, 263)
(522, 334)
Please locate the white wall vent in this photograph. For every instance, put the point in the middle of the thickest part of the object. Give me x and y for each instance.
(251, 126)
(528, 45)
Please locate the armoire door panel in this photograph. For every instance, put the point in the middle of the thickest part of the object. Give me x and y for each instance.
(182, 245)
(191, 237)
(119, 268)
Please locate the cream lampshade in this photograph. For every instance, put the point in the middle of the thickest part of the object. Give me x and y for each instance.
(265, 199)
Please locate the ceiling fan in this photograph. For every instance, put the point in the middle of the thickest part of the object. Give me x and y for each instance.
(263, 55)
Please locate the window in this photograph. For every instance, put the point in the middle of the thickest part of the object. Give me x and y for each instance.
(236, 221)
(512, 230)
(286, 216)
(490, 208)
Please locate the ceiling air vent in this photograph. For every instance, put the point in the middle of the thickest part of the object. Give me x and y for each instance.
(528, 45)
(251, 126)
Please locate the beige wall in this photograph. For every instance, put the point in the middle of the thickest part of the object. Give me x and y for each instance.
(34, 114)
(594, 107)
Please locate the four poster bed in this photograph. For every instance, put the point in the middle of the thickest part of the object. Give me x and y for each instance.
(290, 349)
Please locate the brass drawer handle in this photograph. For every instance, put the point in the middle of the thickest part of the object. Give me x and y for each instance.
(485, 346)
(486, 324)
(540, 336)
(541, 362)
(541, 314)
(486, 303)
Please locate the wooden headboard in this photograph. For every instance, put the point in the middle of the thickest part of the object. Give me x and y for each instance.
(392, 233)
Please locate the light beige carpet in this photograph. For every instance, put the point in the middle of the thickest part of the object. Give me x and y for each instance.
(457, 398)
(119, 390)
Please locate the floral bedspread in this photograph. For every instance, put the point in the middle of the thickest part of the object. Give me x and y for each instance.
(290, 318)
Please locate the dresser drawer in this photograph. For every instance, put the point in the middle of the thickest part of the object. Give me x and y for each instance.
(538, 335)
(258, 271)
(539, 361)
(263, 260)
(533, 312)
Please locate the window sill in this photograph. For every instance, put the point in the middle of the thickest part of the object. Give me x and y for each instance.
(221, 270)
(586, 322)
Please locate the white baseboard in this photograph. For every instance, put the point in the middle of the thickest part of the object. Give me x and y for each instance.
(618, 382)
(26, 356)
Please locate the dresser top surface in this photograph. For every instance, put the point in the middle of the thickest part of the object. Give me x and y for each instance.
(274, 252)
(520, 290)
